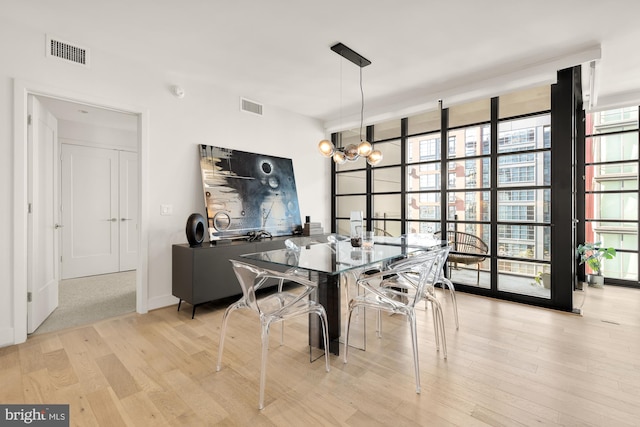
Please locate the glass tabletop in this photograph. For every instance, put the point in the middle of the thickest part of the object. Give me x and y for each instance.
(339, 256)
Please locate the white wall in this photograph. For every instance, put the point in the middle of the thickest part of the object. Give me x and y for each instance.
(209, 114)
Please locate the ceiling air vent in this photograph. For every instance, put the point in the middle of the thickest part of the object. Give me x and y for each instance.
(67, 52)
(250, 107)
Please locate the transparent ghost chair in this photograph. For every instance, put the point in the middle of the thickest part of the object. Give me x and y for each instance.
(438, 278)
(293, 251)
(351, 274)
(397, 290)
(409, 284)
(272, 308)
(293, 247)
(348, 281)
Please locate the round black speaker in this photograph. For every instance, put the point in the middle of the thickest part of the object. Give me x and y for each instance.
(195, 229)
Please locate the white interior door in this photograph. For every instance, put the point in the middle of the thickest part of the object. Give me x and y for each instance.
(43, 220)
(128, 208)
(90, 241)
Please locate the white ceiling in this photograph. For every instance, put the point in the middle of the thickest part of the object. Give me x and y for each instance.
(277, 52)
(89, 115)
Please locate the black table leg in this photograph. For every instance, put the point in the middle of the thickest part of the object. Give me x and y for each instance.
(328, 295)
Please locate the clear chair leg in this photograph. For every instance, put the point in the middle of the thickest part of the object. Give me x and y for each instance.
(263, 367)
(436, 327)
(454, 303)
(346, 335)
(325, 329)
(414, 344)
(439, 325)
(280, 285)
(223, 331)
(444, 338)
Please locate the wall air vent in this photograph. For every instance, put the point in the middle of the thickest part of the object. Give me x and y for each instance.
(250, 107)
(67, 52)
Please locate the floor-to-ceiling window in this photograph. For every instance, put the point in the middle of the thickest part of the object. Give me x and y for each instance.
(386, 183)
(423, 173)
(482, 168)
(468, 186)
(611, 189)
(350, 183)
(524, 194)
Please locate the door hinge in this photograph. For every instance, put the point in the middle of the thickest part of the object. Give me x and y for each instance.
(61, 259)
(29, 296)
(29, 120)
(29, 208)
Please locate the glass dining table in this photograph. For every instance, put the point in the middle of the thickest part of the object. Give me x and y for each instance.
(327, 257)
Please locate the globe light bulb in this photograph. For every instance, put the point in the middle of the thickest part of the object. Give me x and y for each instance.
(374, 158)
(351, 152)
(326, 148)
(339, 157)
(365, 148)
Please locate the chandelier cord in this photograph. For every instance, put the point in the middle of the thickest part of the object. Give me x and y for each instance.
(361, 105)
(339, 142)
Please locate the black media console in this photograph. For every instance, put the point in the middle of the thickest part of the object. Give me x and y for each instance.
(203, 274)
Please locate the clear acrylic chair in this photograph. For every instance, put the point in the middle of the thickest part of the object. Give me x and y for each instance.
(397, 290)
(438, 278)
(272, 308)
(348, 281)
(409, 283)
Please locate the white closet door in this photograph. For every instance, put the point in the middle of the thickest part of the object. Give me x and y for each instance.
(128, 210)
(90, 240)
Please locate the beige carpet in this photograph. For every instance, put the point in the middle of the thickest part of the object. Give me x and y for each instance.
(89, 299)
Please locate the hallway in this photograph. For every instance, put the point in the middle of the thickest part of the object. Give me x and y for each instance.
(90, 299)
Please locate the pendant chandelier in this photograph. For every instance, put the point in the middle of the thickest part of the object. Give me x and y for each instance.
(352, 152)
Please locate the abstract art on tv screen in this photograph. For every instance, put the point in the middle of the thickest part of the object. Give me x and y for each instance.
(248, 192)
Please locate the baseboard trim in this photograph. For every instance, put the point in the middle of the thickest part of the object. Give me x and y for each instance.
(160, 302)
(7, 337)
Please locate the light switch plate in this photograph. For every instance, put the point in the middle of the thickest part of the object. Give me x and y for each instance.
(166, 209)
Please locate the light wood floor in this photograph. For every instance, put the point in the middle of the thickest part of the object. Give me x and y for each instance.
(508, 365)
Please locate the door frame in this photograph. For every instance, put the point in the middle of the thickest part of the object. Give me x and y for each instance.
(21, 90)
